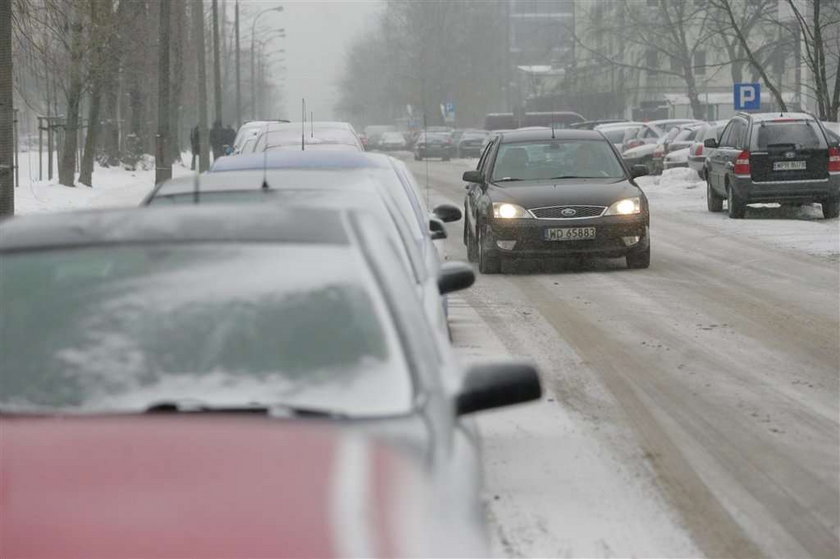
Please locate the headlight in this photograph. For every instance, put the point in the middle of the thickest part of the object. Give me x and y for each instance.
(509, 211)
(628, 206)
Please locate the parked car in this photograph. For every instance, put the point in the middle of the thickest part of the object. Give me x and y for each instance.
(374, 131)
(543, 194)
(374, 182)
(434, 144)
(220, 485)
(318, 135)
(558, 119)
(642, 155)
(592, 124)
(390, 141)
(470, 143)
(698, 152)
(651, 132)
(678, 138)
(832, 130)
(773, 157)
(674, 159)
(617, 132)
(499, 121)
(285, 312)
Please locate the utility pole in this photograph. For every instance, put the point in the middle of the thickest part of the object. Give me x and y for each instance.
(7, 189)
(163, 170)
(203, 132)
(236, 64)
(217, 65)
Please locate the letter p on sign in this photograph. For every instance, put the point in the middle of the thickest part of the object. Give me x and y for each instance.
(747, 96)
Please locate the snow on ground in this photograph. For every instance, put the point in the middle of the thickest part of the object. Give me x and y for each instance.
(112, 186)
(800, 228)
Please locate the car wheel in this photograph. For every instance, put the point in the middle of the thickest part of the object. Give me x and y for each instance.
(831, 208)
(737, 207)
(714, 202)
(638, 260)
(488, 259)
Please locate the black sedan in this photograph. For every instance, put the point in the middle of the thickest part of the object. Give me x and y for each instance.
(434, 144)
(295, 313)
(544, 193)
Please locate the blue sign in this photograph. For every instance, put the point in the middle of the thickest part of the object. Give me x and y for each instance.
(747, 96)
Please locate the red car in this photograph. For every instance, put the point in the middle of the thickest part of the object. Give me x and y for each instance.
(209, 486)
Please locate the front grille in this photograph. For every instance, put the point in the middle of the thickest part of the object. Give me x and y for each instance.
(556, 212)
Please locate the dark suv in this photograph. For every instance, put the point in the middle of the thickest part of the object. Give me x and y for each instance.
(773, 157)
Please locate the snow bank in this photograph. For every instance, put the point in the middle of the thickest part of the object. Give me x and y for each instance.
(112, 186)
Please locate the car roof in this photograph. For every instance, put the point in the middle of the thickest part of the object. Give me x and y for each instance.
(184, 223)
(623, 124)
(547, 134)
(238, 486)
(764, 117)
(297, 159)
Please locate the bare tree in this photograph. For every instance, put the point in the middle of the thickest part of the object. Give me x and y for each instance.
(163, 168)
(7, 190)
(217, 65)
(203, 132)
(101, 19)
(73, 97)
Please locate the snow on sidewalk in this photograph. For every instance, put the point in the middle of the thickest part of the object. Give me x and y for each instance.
(112, 187)
(800, 228)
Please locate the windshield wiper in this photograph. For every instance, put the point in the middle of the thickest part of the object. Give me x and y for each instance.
(569, 177)
(272, 409)
(508, 179)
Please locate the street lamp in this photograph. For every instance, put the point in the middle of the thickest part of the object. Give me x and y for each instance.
(253, 82)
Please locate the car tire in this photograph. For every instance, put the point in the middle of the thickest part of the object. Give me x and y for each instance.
(830, 208)
(702, 174)
(737, 207)
(638, 260)
(714, 202)
(488, 259)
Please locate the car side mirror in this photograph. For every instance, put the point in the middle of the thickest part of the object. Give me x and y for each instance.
(437, 229)
(455, 276)
(710, 143)
(447, 213)
(473, 176)
(638, 171)
(497, 385)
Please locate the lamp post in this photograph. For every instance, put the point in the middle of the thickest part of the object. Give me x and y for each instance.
(253, 57)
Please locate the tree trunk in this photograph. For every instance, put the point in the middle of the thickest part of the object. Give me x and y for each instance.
(86, 171)
(73, 95)
(163, 169)
(217, 65)
(177, 78)
(204, 133)
(7, 189)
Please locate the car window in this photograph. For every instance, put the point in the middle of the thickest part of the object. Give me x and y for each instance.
(739, 132)
(555, 159)
(726, 137)
(120, 328)
(801, 133)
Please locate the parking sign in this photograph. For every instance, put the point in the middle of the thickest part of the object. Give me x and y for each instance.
(747, 96)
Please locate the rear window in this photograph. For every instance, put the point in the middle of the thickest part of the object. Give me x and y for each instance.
(803, 134)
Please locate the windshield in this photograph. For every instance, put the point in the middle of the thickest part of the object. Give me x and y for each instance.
(119, 328)
(555, 159)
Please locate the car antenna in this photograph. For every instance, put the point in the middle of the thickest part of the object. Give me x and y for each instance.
(265, 161)
(303, 124)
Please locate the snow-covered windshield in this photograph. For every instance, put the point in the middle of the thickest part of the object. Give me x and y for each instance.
(555, 159)
(120, 328)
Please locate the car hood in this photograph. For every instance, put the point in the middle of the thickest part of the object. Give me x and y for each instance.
(539, 194)
(176, 486)
(639, 151)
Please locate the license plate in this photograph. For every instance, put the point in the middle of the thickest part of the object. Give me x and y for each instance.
(789, 165)
(570, 234)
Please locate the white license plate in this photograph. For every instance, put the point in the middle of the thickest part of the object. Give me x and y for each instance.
(789, 165)
(570, 234)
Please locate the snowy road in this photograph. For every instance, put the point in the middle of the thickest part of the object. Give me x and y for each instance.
(691, 408)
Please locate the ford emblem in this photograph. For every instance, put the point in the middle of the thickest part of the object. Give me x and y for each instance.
(790, 155)
(568, 212)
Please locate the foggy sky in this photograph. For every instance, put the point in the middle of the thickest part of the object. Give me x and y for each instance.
(318, 34)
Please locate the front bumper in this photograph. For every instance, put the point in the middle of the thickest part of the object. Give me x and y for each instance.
(803, 192)
(609, 241)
